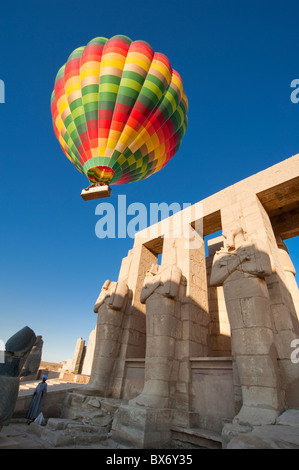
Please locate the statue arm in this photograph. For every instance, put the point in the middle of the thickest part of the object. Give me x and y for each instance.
(102, 296)
(119, 296)
(219, 273)
(261, 263)
(148, 290)
(98, 304)
(224, 266)
(261, 268)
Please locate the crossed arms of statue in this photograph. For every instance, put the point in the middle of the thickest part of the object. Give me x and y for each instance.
(251, 259)
(166, 281)
(113, 294)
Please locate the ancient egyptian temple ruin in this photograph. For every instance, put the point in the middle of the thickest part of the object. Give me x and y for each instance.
(205, 337)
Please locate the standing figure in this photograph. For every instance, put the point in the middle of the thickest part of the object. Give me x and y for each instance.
(159, 293)
(36, 403)
(110, 307)
(241, 267)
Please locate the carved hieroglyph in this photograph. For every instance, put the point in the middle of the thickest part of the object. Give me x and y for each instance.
(241, 266)
(110, 307)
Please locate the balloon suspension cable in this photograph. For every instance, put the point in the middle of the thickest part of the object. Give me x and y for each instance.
(94, 185)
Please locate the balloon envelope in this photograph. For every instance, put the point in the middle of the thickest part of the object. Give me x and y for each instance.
(119, 110)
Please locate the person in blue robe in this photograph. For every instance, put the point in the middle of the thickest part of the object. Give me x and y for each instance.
(36, 403)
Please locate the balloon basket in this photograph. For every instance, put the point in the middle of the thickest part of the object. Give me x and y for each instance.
(96, 192)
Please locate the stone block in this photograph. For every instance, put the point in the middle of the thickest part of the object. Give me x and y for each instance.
(255, 341)
(257, 371)
(289, 418)
(142, 427)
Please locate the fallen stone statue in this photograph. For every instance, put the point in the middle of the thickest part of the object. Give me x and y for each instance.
(17, 349)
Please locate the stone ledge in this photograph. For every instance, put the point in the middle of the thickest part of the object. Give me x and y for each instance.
(197, 437)
(211, 362)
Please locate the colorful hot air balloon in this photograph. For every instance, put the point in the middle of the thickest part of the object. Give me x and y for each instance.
(119, 110)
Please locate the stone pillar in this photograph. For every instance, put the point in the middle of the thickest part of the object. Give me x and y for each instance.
(177, 323)
(241, 267)
(194, 316)
(110, 307)
(133, 270)
(159, 293)
(290, 273)
(88, 359)
(145, 422)
(220, 332)
(242, 206)
(78, 356)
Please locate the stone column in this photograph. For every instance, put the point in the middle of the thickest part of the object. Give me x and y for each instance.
(133, 270)
(159, 293)
(290, 273)
(110, 307)
(194, 316)
(88, 359)
(145, 422)
(242, 206)
(78, 356)
(220, 332)
(241, 266)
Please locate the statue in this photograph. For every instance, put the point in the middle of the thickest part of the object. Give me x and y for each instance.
(159, 293)
(110, 307)
(17, 349)
(32, 363)
(241, 267)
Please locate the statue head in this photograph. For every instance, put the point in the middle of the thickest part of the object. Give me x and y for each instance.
(234, 238)
(17, 349)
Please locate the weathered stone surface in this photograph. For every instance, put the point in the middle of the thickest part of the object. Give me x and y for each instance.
(249, 313)
(160, 291)
(90, 409)
(267, 437)
(241, 266)
(89, 354)
(17, 349)
(78, 356)
(142, 427)
(284, 434)
(85, 420)
(32, 363)
(110, 307)
(289, 418)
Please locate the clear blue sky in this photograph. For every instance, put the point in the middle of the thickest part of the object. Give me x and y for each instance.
(237, 60)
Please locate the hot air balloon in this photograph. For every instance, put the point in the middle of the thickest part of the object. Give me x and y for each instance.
(119, 112)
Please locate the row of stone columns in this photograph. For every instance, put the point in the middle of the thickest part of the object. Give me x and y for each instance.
(268, 380)
(260, 296)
